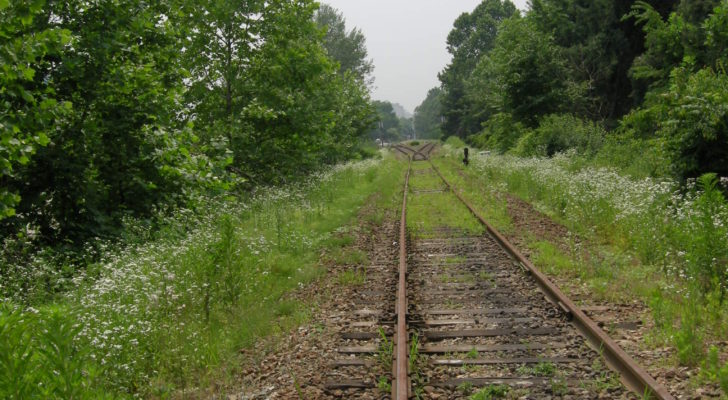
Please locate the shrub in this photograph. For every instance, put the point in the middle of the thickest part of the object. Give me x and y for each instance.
(697, 125)
(558, 133)
(501, 132)
(636, 157)
(455, 142)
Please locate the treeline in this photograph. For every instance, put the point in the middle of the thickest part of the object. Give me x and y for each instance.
(117, 109)
(391, 124)
(640, 85)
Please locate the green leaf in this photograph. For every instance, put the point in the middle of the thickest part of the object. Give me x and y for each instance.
(4, 4)
(43, 139)
(28, 73)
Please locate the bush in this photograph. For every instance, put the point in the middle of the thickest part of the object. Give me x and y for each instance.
(697, 125)
(455, 142)
(501, 132)
(691, 117)
(638, 158)
(558, 133)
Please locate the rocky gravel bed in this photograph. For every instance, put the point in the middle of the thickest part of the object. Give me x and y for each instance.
(308, 362)
(467, 294)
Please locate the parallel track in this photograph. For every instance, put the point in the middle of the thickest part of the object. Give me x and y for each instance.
(484, 316)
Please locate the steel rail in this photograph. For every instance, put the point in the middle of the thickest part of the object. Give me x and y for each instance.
(402, 149)
(632, 375)
(401, 386)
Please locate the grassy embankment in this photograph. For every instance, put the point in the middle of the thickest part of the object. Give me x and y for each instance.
(170, 314)
(645, 239)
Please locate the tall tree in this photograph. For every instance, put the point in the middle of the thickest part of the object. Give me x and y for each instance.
(473, 35)
(599, 45)
(118, 152)
(428, 115)
(525, 76)
(348, 48)
(261, 76)
(680, 40)
(28, 106)
(387, 125)
(222, 41)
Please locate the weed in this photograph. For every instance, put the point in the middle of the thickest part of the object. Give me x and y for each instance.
(540, 369)
(414, 354)
(559, 387)
(352, 277)
(286, 308)
(340, 241)
(385, 353)
(714, 371)
(465, 388)
(297, 386)
(384, 385)
(348, 256)
(491, 392)
(472, 354)
(688, 339)
(485, 276)
(160, 315)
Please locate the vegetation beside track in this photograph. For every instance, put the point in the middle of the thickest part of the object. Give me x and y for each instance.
(644, 238)
(171, 313)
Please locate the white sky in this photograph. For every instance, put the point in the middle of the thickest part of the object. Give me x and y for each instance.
(406, 40)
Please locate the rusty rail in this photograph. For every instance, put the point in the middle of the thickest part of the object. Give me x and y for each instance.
(631, 374)
(401, 386)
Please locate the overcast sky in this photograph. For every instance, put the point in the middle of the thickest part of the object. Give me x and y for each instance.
(406, 40)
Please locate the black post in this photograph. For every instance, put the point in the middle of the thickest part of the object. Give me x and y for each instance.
(466, 161)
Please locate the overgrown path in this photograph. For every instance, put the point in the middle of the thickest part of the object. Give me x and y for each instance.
(477, 324)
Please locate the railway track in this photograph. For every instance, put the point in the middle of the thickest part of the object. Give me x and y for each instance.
(462, 313)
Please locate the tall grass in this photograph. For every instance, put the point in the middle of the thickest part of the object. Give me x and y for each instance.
(169, 314)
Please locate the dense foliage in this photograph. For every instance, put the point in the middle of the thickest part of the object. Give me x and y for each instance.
(474, 35)
(428, 115)
(110, 110)
(348, 48)
(143, 146)
(646, 75)
(388, 126)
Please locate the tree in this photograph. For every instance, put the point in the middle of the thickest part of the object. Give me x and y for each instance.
(679, 41)
(121, 151)
(473, 35)
(222, 41)
(169, 99)
(428, 115)
(525, 75)
(696, 127)
(348, 48)
(282, 103)
(387, 125)
(28, 106)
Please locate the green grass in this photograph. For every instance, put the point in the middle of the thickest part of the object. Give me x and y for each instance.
(455, 142)
(491, 392)
(540, 369)
(426, 213)
(384, 385)
(487, 200)
(171, 314)
(352, 277)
